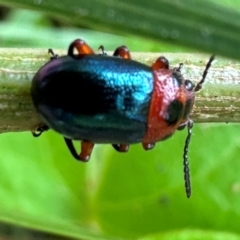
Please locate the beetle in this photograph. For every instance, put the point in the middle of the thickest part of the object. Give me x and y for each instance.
(98, 98)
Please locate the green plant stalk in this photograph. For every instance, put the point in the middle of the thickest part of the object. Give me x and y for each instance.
(218, 101)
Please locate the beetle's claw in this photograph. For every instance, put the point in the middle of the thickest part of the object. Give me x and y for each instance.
(39, 130)
(121, 147)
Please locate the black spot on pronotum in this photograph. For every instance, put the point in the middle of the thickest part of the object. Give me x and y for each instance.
(174, 112)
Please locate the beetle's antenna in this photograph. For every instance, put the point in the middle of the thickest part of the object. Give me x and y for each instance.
(186, 169)
(199, 85)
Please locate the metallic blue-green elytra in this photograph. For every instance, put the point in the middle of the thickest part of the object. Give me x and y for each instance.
(100, 98)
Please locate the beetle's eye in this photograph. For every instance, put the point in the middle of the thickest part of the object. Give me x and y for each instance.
(189, 85)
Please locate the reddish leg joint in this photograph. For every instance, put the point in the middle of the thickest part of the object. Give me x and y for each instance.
(81, 47)
(160, 63)
(122, 52)
(148, 146)
(86, 150)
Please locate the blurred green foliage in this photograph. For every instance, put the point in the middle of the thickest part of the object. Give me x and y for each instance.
(116, 196)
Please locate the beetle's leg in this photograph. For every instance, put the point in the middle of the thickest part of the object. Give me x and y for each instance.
(101, 47)
(86, 149)
(71, 148)
(81, 47)
(122, 52)
(160, 63)
(121, 147)
(39, 130)
(54, 56)
(178, 69)
(148, 146)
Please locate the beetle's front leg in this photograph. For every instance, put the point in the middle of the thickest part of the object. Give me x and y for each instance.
(160, 63)
(148, 146)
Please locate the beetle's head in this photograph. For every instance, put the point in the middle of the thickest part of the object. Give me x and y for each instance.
(190, 88)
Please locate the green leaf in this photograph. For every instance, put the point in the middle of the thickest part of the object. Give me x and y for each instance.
(192, 234)
(147, 194)
(204, 25)
(35, 194)
(125, 195)
(46, 35)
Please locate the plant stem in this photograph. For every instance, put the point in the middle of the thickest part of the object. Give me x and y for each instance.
(218, 101)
